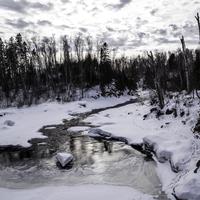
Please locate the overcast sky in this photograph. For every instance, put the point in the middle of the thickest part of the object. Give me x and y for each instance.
(131, 25)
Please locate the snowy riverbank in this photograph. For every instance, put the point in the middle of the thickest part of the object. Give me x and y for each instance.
(26, 121)
(169, 135)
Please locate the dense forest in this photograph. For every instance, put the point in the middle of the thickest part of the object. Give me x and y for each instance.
(35, 69)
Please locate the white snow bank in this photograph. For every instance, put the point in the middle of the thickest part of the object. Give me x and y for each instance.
(126, 121)
(89, 192)
(189, 187)
(29, 120)
(178, 151)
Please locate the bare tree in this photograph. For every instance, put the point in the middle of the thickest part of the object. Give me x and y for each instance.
(79, 50)
(185, 63)
(198, 22)
(157, 62)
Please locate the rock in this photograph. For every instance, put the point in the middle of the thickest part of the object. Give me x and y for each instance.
(163, 149)
(182, 113)
(9, 123)
(175, 113)
(58, 99)
(145, 117)
(64, 159)
(197, 166)
(99, 133)
(82, 104)
(169, 111)
(159, 113)
(197, 126)
(153, 110)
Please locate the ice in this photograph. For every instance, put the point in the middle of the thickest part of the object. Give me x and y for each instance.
(89, 192)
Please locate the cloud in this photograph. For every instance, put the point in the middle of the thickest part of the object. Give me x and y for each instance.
(23, 6)
(44, 23)
(65, 1)
(174, 27)
(154, 11)
(142, 35)
(140, 22)
(133, 44)
(110, 29)
(19, 24)
(120, 5)
(160, 31)
(164, 40)
(83, 29)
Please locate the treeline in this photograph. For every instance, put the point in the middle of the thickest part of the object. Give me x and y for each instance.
(35, 69)
(31, 69)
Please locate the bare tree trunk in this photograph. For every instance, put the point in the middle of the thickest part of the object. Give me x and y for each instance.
(198, 22)
(186, 67)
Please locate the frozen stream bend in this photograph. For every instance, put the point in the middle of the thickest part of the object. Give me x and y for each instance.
(97, 161)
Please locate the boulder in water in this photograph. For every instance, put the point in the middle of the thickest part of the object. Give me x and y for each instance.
(64, 159)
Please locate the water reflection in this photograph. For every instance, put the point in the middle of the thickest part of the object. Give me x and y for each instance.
(95, 162)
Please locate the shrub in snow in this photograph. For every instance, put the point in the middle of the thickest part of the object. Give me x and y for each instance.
(9, 123)
(64, 159)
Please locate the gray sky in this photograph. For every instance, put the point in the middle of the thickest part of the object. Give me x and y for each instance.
(131, 25)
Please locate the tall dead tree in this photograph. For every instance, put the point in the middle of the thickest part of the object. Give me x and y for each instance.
(79, 51)
(197, 62)
(198, 22)
(186, 67)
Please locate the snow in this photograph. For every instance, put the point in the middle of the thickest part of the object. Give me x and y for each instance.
(64, 158)
(126, 121)
(89, 192)
(78, 128)
(28, 120)
(170, 138)
(188, 187)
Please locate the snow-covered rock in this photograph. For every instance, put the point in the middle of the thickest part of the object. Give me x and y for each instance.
(64, 158)
(165, 148)
(188, 187)
(78, 128)
(99, 133)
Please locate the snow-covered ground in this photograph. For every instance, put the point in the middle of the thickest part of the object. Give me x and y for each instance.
(17, 126)
(171, 138)
(89, 192)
